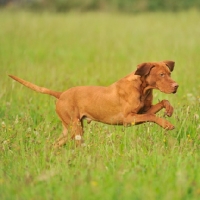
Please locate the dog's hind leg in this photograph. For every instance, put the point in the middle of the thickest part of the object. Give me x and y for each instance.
(63, 137)
(76, 130)
(64, 117)
(72, 123)
(72, 126)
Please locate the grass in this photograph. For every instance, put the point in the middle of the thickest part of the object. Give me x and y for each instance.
(59, 51)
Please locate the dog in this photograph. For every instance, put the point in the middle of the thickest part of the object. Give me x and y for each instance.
(126, 102)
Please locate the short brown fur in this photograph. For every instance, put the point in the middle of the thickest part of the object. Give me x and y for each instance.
(125, 102)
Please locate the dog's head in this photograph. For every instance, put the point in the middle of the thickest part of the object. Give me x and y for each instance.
(158, 75)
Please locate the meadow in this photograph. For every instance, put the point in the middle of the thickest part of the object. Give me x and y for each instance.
(59, 51)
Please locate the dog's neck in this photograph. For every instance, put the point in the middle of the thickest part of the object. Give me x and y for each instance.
(145, 88)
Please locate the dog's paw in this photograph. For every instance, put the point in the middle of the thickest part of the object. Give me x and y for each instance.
(169, 126)
(169, 109)
(60, 142)
(165, 124)
(56, 145)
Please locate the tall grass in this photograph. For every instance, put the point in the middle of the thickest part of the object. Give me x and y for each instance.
(59, 51)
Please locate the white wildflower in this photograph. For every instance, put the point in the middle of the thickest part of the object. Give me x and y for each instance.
(16, 120)
(3, 124)
(196, 116)
(36, 132)
(29, 129)
(83, 145)
(78, 137)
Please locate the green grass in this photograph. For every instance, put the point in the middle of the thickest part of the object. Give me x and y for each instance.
(59, 51)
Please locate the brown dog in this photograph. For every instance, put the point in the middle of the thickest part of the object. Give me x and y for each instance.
(125, 102)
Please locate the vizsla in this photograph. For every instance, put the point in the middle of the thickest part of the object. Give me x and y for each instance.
(125, 102)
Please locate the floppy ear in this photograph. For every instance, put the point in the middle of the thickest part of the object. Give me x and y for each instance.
(143, 69)
(170, 64)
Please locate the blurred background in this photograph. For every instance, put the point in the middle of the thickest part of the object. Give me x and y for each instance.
(60, 44)
(130, 6)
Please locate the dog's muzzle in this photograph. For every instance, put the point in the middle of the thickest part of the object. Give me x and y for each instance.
(175, 87)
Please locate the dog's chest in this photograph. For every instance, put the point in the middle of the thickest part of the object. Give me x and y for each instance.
(145, 101)
(145, 97)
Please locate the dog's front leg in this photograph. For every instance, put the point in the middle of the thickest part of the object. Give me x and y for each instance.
(132, 119)
(159, 106)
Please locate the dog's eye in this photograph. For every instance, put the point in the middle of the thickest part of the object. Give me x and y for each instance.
(162, 75)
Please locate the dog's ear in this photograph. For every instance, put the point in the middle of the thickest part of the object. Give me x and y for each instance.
(170, 64)
(144, 69)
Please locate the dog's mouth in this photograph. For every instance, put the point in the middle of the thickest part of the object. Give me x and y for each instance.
(169, 92)
(175, 90)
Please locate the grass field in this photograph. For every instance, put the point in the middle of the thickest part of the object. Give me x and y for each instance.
(59, 51)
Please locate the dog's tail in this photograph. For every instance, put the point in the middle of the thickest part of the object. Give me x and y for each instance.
(37, 88)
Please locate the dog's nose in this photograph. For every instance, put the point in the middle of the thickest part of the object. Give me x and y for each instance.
(175, 86)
